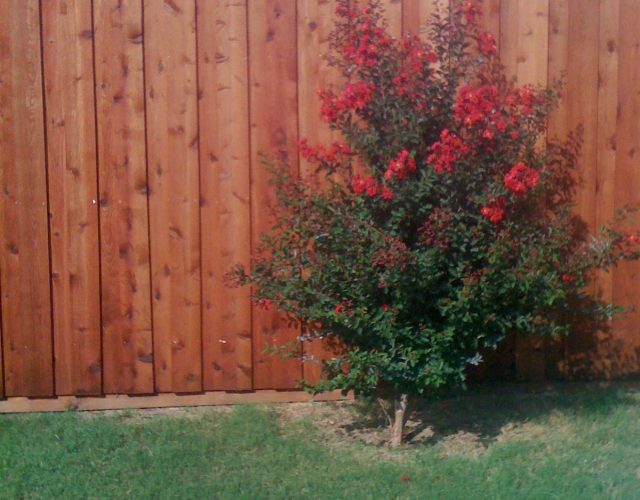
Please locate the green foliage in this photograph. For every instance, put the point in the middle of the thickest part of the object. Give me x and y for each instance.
(443, 222)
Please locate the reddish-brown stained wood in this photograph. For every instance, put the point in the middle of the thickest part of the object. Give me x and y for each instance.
(225, 213)
(273, 91)
(608, 59)
(172, 142)
(555, 349)
(490, 20)
(524, 50)
(71, 147)
(582, 80)
(126, 298)
(393, 16)
(24, 251)
(624, 345)
(416, 14)
(315, 22)
(121, 402)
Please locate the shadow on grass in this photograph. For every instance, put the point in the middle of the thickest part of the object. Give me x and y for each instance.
(490, 412)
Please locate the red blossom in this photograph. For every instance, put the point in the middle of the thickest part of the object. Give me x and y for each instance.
(494, 210)
(567, 278)
(475, 105)
(360, 185)
(355, 96)
(332, 157)
(520, 179)
(487, 44)
(363, 44)
(401, 166)
(445, 152)
(386, 193)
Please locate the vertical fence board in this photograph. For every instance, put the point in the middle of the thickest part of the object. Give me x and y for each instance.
(491, 17)
(315, 22)
(126, 297)
(416, 14)
(71, 148)
(224, 164)
(524, 48)
(608, 56)
(273, 91)
(24, 251)
(555, 349)
(626, 343)
(582, 80)
(393, 16)
(172, 142)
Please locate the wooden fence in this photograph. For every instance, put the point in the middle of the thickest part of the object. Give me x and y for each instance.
(130, 181)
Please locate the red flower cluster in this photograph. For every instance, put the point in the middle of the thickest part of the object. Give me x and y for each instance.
(445, 152)
(331, 157)
(368, 185)
(363, 44)
(360, 185)
(415, 56)
(520, 179)
(355, 96)
(494, 210)
(487, 44)
(473, 106)
(524, 98)
(400, 167)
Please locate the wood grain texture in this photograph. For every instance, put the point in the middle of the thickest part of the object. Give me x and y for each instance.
(72, 170)
(416, 14)
(605, 354)
(490, 20)
(124, 231)
(393, 16)
(24, 249)
(582, 80)
(314, 25)
(608, 67)
(174, 198)
(224, 166)
(121, 402)
(274, 124)
(524, 48)
(556, 349)
(624, 345)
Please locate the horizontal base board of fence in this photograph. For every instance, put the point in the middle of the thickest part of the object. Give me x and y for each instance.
(168, 400)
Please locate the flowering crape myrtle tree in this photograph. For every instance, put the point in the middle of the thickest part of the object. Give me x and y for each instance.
(441, 223)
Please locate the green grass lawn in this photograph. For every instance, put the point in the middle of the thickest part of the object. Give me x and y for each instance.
(566, 442)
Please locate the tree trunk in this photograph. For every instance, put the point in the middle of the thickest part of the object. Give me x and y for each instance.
(399, 416)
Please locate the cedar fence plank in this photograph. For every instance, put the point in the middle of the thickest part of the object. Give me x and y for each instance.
(72, 171)
(124, 231)
(174, 198)
(225, 215)
(273, 101)
(24, 254)
(624, 344)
